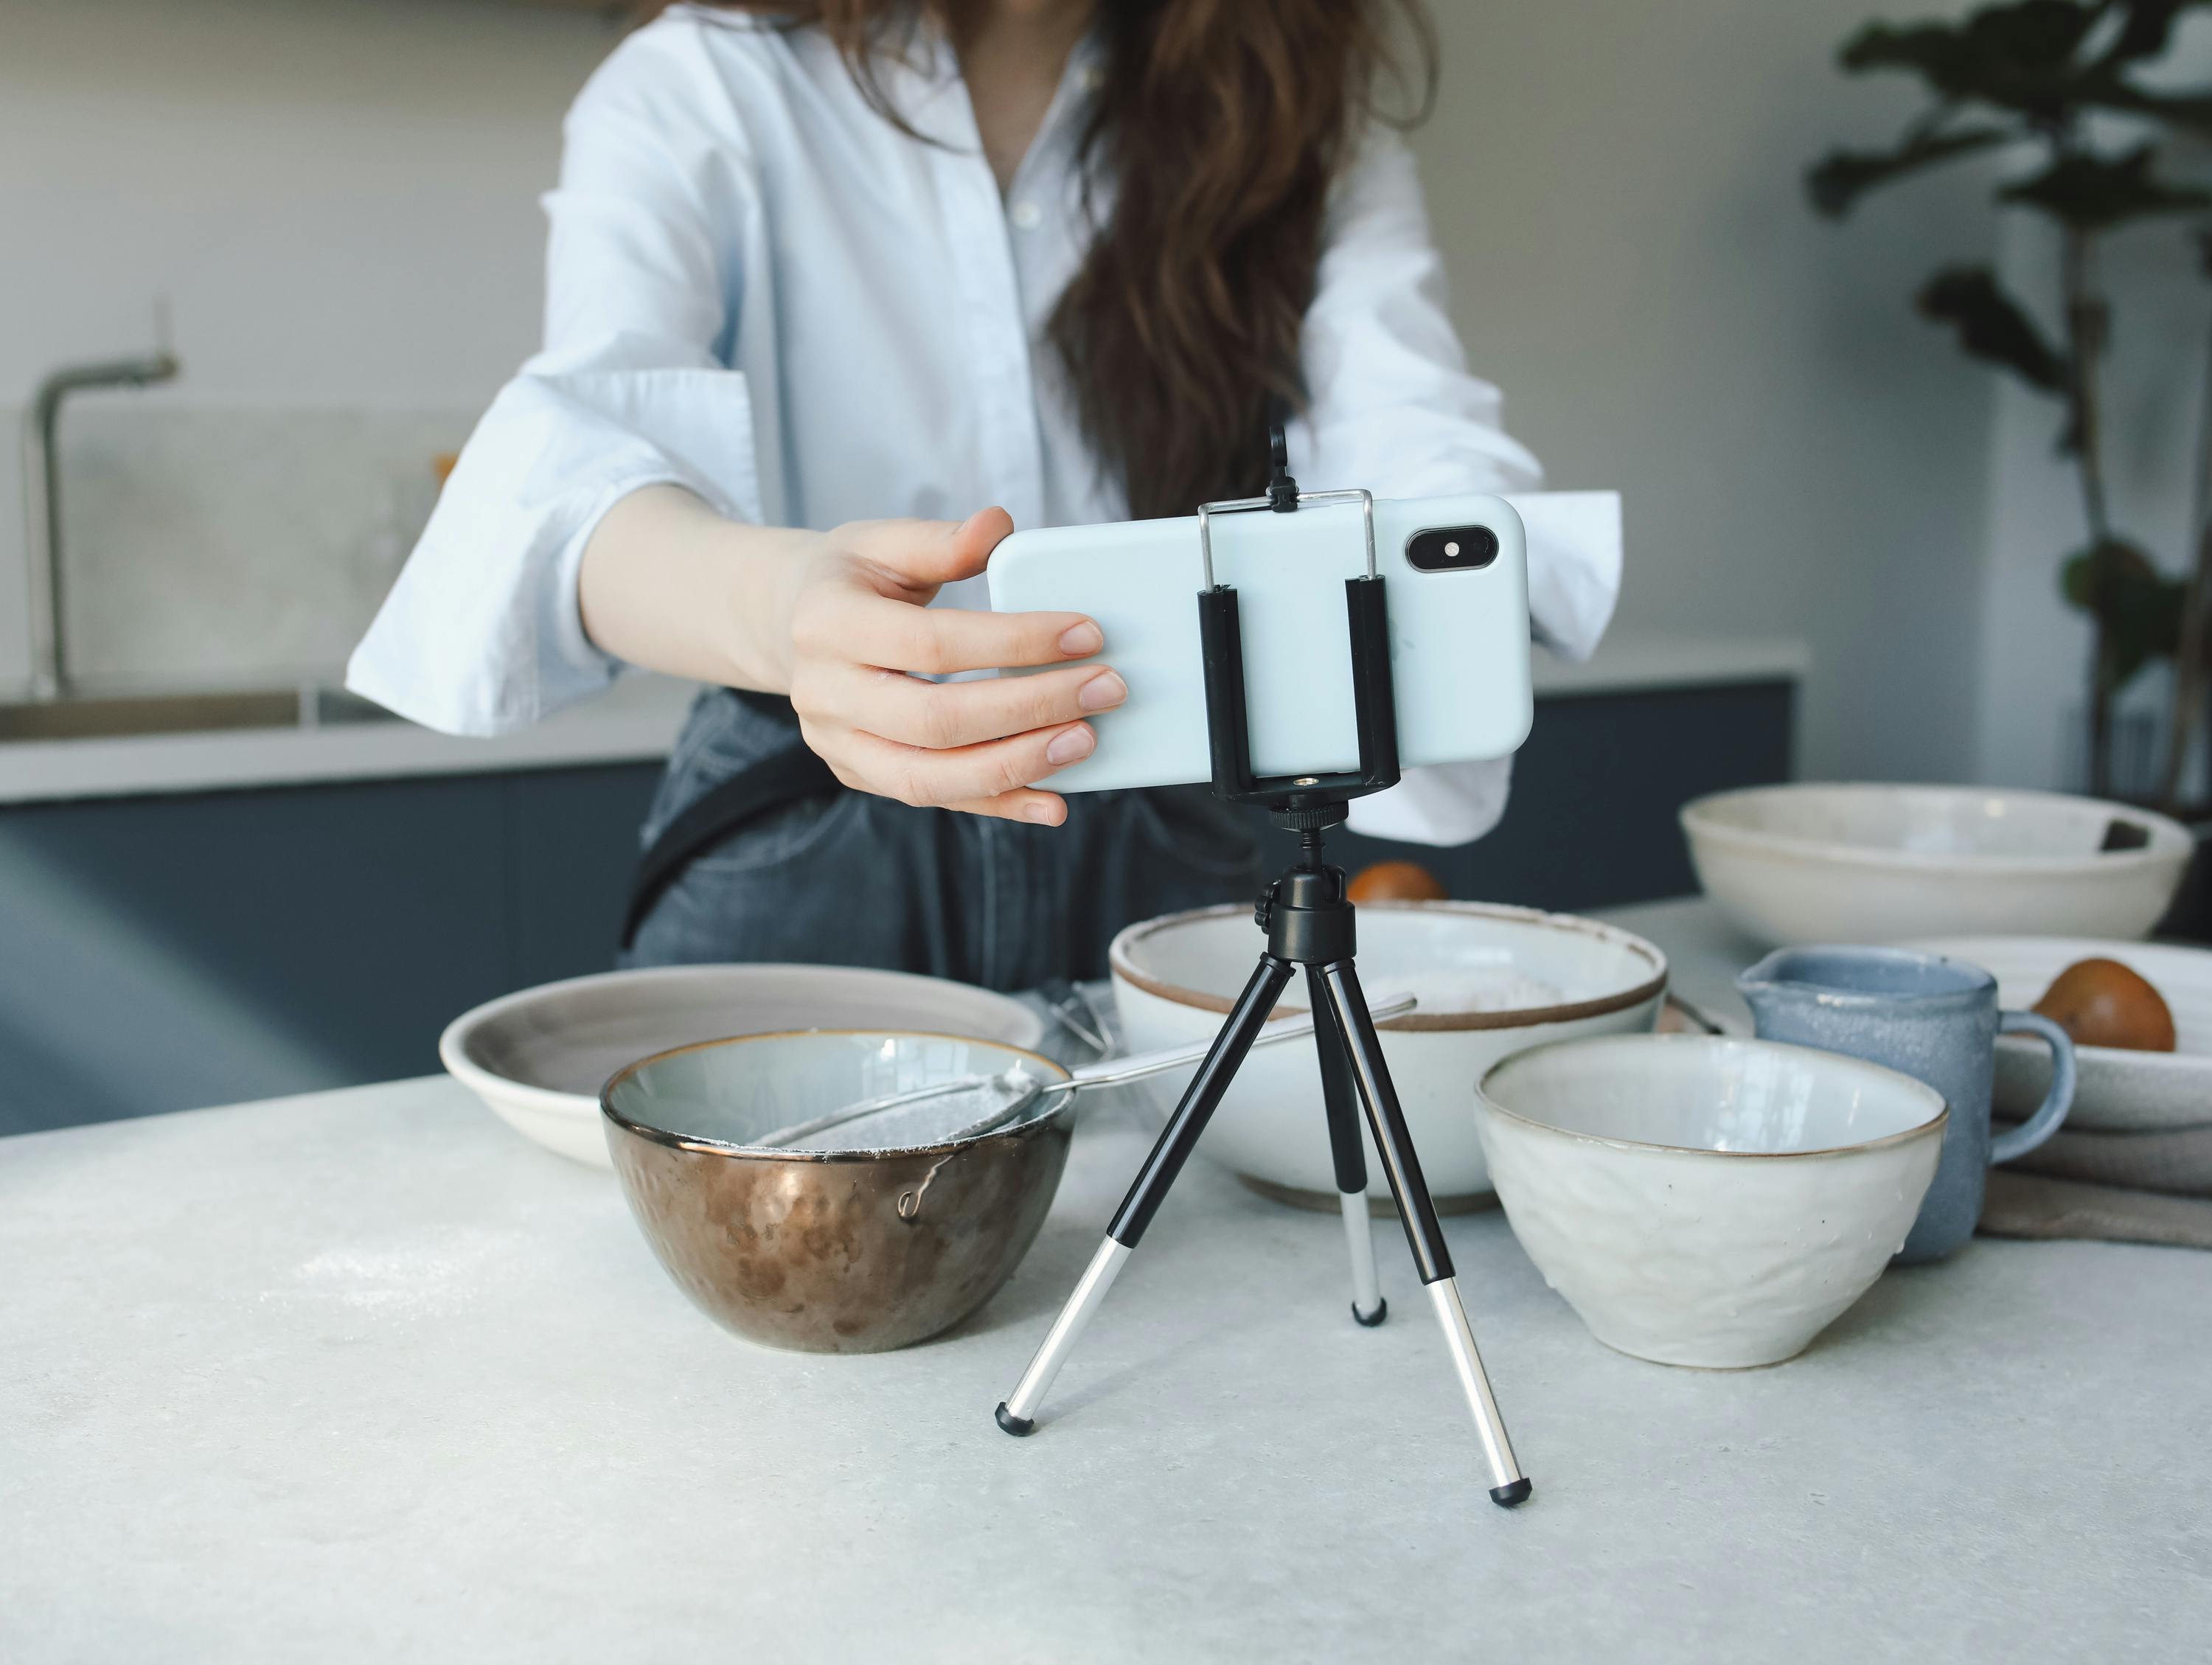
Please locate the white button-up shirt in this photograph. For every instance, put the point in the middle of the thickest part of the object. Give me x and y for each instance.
(759, 289)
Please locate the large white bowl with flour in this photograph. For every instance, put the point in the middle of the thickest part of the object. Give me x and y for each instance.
(1706, 1201)
(1815, 864)
(1491, 980)
(538, 1058)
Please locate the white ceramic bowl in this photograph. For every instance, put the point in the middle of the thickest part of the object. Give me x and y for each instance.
(1707, 1201)
(1807, 864)
(538, 1058)
(1491, 980)
(2116, 1090)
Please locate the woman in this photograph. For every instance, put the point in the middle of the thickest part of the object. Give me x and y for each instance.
(975, 264)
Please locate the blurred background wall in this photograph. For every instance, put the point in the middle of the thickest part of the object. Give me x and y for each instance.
(339, 198)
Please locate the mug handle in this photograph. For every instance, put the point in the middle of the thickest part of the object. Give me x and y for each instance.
(2056, 1103)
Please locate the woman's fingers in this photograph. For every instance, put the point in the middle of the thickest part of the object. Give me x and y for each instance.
(928, 553)
(922, 776)
(897, 635)
(1044, 809)
(862, 641)
(941, 715)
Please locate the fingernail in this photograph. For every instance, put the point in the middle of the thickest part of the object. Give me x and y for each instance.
(1069, 744)
(1042, 813)
(1102, 690)
(1080, 639)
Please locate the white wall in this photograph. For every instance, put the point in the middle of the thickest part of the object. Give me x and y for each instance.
(338, 196)
(1617, 188)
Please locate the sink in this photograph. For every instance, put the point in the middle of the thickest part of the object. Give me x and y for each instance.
(94, 717)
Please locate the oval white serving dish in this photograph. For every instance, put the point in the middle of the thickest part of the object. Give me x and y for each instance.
(1869, 863)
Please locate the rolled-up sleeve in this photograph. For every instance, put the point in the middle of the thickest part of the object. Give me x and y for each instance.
(481, 632)
(1392, 408)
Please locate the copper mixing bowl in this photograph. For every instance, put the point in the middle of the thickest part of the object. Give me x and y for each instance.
(828, 1251)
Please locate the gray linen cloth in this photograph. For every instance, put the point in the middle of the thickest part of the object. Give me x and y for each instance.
(2149, 1188)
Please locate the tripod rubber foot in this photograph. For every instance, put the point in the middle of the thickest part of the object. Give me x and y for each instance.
(1368, 1319)
(1505, 1496)
(1019, 1425)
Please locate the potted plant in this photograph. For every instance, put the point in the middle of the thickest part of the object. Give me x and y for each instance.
(2053, 90)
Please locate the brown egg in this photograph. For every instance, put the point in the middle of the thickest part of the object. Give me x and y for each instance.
(2101, 1003)
(1397, 881)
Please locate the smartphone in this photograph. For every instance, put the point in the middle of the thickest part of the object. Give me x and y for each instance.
(1456, 583)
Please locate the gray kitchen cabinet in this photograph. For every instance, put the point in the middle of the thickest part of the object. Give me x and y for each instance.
(161, 953)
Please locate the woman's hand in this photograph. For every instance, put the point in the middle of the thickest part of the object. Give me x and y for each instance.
(863, 635)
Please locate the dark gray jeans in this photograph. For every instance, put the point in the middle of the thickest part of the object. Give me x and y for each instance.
(860, 880)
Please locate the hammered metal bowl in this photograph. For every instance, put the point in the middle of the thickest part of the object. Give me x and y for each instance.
(828, 1251)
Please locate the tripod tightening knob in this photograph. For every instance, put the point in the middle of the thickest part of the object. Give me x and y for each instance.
(1263, 911)
(1318, 818)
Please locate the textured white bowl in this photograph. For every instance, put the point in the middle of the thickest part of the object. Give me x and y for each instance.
(2116, 1090)
(1805, 864)
(1707, 1201)
(538, 1058)
(1174, 978)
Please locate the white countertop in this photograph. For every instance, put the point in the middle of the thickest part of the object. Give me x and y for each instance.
(637, 720)
(363, 1375)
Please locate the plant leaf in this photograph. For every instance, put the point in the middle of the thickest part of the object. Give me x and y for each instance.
(1992, 326)
(2110, 92)
(2138, 607)
(2018, 56)
(2095, 193)
(1842, 177)
(2149, 26)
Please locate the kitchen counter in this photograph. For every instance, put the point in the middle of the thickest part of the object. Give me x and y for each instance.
(637, 720)
(363, 1375)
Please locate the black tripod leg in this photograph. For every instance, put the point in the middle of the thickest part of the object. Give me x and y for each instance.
(1017, 1413)
(1403, 1168)
(1340, 1096)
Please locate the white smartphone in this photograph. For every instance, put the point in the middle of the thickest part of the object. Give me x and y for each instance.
(1456, 584)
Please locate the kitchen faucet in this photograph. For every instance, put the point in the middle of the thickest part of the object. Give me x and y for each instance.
(42, 487)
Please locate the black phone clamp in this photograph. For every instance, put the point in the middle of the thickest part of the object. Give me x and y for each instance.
(1308, 915)
(1297, 801)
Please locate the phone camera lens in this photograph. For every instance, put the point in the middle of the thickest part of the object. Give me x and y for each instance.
(1451, 548)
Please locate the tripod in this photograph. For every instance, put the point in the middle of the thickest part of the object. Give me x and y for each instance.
(1310, 923)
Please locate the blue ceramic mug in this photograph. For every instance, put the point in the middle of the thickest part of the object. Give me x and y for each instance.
(1931, 1017)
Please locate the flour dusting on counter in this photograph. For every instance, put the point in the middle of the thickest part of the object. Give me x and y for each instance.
(417, 1280)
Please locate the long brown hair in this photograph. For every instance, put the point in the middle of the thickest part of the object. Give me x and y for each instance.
(1220, 127)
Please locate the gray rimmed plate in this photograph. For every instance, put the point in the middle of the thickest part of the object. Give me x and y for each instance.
(537, 1057)
(2118, 1092)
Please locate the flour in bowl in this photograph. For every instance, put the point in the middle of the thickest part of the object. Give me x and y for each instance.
(1495, 990)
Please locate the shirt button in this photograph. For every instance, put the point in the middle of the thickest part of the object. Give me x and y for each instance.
(1026, 215)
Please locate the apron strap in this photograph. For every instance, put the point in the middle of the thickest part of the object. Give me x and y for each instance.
(775, 781)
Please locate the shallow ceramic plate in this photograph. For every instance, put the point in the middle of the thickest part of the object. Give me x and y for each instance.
(2118, 1092)
(538, 1058)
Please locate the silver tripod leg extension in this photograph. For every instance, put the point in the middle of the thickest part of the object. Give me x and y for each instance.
(1459, 1336)
(1359, 1238)
(1017, 1414)
(1394, 1144)
(1340, 1094)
